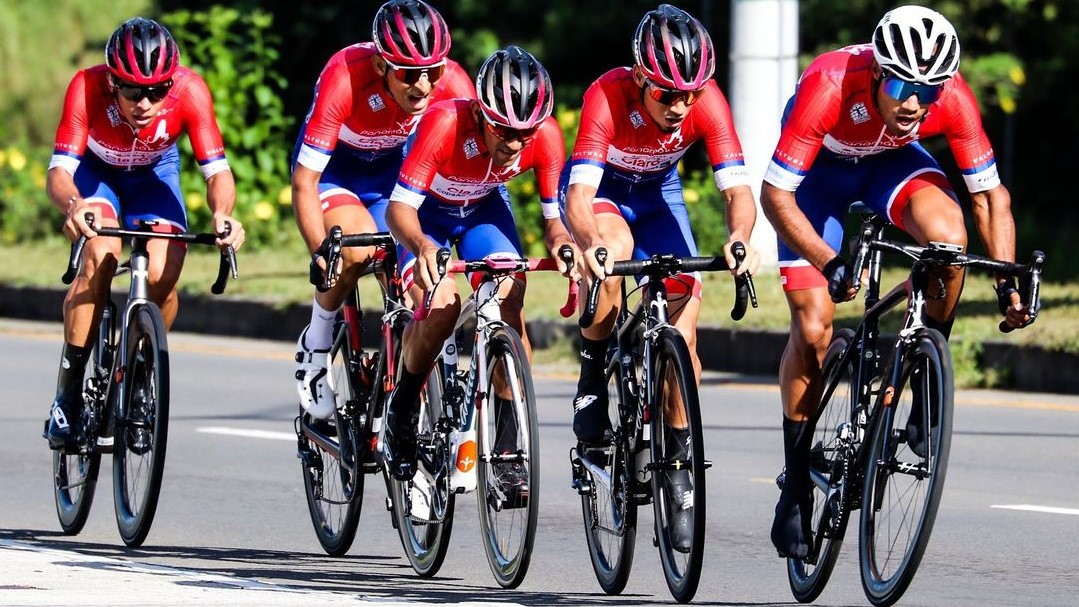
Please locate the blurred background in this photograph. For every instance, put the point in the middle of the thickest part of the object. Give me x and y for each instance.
(261, 60)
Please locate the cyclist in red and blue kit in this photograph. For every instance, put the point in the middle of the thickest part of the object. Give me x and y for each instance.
(450, 193)
(851, 133)
(368, 99)
(624, 193)
(115, 157)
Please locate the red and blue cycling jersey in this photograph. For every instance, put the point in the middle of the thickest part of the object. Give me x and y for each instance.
(834, 110)
(92, 121)
(354, 113)
(449, 162)
(616, 135)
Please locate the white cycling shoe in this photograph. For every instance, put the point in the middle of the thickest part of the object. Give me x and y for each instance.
(312, 380)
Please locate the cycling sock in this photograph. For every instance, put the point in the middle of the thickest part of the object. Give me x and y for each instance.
(677, 442)
(796, 440)
(505, 425)
(945, 327)
(72, 368)
(320, 331)
(593, 352)
(406, 395)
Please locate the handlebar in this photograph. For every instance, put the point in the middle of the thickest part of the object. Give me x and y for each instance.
(502, 266)
(227, 267)
(663, 266)
(336, 239)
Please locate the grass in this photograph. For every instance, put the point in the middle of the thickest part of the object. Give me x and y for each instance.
(280, 277)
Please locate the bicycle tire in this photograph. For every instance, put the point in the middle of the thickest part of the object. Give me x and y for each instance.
(139, 451)
(75, 474)
(902, 489)
(507, 523)
(609, 509)
(674, 375)
(423, 507)
(332, 479)
(830, 457)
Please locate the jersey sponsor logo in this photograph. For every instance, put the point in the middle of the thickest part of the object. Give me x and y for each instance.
(859, 113)
(636, 119)
(113, 113)
(648, 160)
(375, 103)
(673, 142)
(472, 149)
(161, 134)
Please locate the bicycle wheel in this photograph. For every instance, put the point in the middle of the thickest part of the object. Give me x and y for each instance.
(831, 453)
(508, 482)
(608, 503)
(423, 507)
(330, 455)
(678, 464)
(903, 489)
(138, 459)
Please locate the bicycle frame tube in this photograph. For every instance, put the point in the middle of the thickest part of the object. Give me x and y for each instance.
(138, 294)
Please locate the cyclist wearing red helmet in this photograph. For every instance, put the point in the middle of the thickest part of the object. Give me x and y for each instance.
(450, 193)
(115, 157)
(368, 99)
(851, 133)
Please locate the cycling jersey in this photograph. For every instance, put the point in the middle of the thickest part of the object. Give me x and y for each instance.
(449, 171)
(835, 149)
(355, 131)
(140, 168)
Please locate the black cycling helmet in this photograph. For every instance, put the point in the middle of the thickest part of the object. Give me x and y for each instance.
(410, 33)
(142, 51)
(514, 89)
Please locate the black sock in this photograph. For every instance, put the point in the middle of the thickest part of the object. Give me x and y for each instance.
(797, 437)
(676, 441)
(945, 327)
(505, 425)
(405, 403)
(72, 368)
(593, 353)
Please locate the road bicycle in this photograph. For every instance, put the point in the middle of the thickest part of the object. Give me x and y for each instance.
(478, 433)
(337, 454)
(652, 390)
(125, 408)
(871, 449)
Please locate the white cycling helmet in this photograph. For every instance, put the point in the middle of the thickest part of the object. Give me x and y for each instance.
(917, 44)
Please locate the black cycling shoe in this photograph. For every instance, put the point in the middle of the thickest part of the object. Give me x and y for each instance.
(513, 484)
(591, 423)
(399, 440)
(139, 432)
(62, 427)
(791, 529)
(680, 488)
(917, 436)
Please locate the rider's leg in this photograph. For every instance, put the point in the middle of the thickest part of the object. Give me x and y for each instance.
(165, 264)
(812, 311)
(931, 215)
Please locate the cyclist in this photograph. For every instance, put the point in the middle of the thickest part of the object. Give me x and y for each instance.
(850, 133)
(450, 192)
(115, 157)
(624, 193)
(368, 98)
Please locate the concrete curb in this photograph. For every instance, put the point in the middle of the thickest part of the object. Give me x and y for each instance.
(1030, 368)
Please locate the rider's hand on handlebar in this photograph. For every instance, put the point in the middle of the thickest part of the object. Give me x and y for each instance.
(317, 270)
(840, 280)
(751, 263)
(1016, 313)
(591, 268)
(75, 224)
(229, 230)
(573, 270)
(425, 274)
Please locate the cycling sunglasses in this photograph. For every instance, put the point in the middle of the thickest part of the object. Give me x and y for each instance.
(134, 92)
(901, 90)
(412, 75)
(506, 133)
(667, 96)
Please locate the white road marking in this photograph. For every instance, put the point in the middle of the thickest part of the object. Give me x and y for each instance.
(246, 433)
(1033, 508)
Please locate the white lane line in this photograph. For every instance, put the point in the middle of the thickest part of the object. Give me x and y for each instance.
(1033, 508)
(246, 433)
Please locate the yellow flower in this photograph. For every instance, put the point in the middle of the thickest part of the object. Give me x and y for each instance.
(567, 118)
(1017, 75)
(691, 196)
(16, 159)
(528, 188)
(264, 210)
(1007, 104)
(37, 175)
(195, 201)
(284, 197)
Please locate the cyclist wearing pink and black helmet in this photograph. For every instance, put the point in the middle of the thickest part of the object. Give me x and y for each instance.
(368, 100)
(115, 156)
(623, 192)
(451, 193)
(852, 132)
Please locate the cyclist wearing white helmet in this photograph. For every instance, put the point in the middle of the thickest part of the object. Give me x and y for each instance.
(851, 133)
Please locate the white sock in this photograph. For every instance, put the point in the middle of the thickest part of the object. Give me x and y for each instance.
(320, 331)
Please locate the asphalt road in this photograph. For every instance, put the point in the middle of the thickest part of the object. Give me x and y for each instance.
(232, 527)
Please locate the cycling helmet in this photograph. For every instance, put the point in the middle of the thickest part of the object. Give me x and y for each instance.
(673, 49)
(916, 44)
(142, 51)
(515, 89)
(410, 33)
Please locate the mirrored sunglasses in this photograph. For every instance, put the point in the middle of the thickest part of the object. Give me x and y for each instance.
(134, 92)
(901, 90)
(667, 96)
(506, 133)
(412, 75)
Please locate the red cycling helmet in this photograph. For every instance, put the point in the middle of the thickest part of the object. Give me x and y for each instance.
(410, 33)
(514, 89)
(142, 51)
(673, 49)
